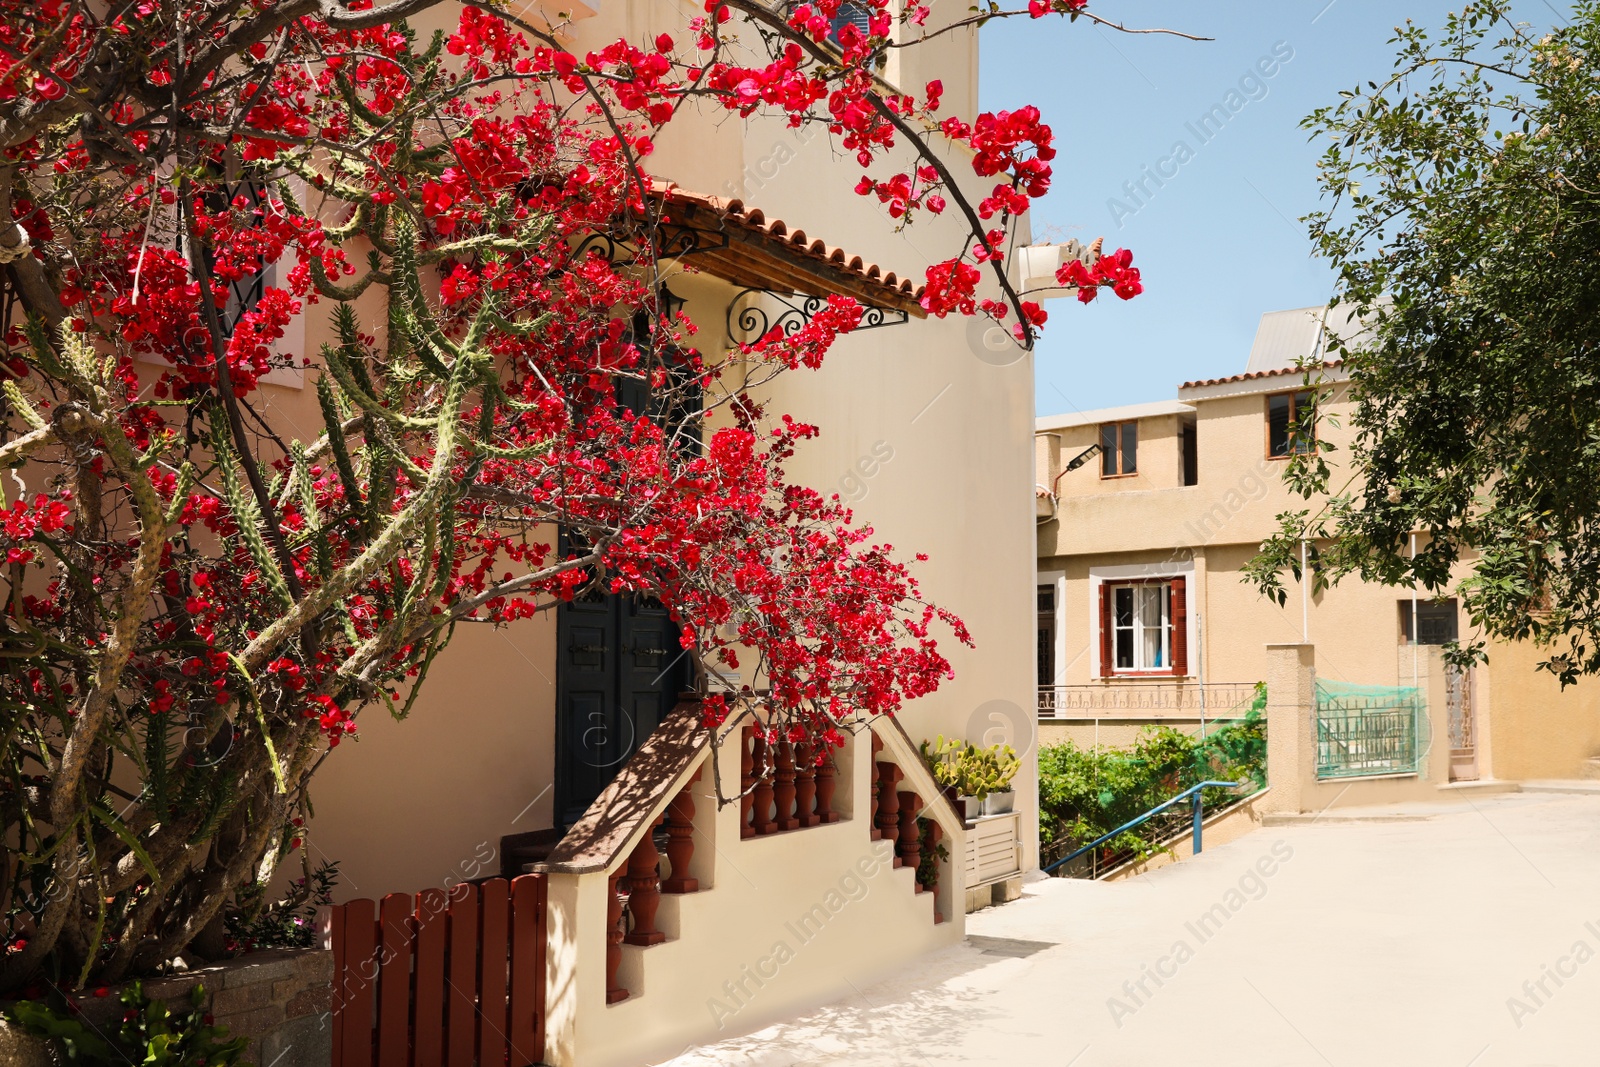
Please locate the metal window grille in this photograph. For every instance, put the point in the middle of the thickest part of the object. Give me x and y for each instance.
(251, 197)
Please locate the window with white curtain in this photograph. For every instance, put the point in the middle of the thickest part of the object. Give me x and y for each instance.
(1141, 626)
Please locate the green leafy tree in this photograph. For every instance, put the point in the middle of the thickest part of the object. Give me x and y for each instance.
(1462, 211)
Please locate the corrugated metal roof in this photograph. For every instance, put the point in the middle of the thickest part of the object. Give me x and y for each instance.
(1284, 337)
(1283, 340)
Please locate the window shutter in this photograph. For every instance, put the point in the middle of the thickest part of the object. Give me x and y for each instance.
(1180, 629)
(1107, 665)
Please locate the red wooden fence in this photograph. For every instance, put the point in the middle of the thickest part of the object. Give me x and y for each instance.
(441, 979)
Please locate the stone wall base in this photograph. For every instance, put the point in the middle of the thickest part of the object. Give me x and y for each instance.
(278, 998)
(19, 1049)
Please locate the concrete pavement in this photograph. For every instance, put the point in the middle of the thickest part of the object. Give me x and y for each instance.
(1469, 937)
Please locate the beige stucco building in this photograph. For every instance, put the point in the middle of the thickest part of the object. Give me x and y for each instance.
(1145, 614)
(526, 730)
(896, 406)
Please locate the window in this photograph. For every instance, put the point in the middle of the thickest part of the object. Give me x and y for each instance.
(1047, 635)
(1119, 449)
(850, 13)
(245, 292)
(1291, 423)
(1144, 627)
(1436, 621)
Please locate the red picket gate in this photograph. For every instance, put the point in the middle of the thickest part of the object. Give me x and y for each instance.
(441, 979)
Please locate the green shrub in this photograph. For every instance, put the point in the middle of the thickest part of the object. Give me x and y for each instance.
(253, 924)
(150, 1035)
(1084, 793)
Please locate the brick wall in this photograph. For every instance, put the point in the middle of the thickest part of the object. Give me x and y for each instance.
(278, 998)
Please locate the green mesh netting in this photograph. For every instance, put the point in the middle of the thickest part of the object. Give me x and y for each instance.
(1365, 730)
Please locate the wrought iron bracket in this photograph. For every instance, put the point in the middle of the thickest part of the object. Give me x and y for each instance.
(674, 242)
(753, 322)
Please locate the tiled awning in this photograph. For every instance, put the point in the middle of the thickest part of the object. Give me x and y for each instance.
(741, 245)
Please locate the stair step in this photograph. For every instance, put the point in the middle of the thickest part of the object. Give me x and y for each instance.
(1578, 786)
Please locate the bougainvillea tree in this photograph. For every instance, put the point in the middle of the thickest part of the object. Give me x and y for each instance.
(199, 597)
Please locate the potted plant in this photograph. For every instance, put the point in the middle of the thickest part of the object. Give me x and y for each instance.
(971, 783)
(946, 761)
(999, 765)
(977, 780)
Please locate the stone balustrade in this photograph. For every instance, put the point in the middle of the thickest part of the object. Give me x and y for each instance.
(785, 786)
(634, 892)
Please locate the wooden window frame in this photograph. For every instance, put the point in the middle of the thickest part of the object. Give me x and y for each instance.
(1100, 439)
(1178, 622)
(1266, 421)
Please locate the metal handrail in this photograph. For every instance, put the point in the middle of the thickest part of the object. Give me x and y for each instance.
(1194, 792)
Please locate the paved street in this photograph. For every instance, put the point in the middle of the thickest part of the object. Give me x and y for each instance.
(1461, 935)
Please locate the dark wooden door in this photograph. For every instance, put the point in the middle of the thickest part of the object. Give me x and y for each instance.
(619, 670)
(619, 663)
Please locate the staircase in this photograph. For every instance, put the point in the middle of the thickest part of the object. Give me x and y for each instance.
(673, 918)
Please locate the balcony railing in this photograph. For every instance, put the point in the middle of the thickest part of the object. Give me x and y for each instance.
(1212, 699)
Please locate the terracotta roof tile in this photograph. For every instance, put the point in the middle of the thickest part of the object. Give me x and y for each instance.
(886, 286)
(1254, 375)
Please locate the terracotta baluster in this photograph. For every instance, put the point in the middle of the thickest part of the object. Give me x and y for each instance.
(825, 788)
(877, 798)
(935, 834)
(680, 842)
(747, 778)
(783, 793)
(889, 805)
(763, 822)
(644, 890)
(615, 896)
(910, 843)
(805, 784)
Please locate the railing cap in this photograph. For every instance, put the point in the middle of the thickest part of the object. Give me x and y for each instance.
(624, 810)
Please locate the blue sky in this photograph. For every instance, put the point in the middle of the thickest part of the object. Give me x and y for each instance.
(1220, 243)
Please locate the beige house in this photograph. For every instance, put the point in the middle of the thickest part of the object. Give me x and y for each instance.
(1147, 516)
(561, 744)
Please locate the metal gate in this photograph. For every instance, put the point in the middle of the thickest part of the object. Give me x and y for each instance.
(1463, 725)
(1365, 730)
